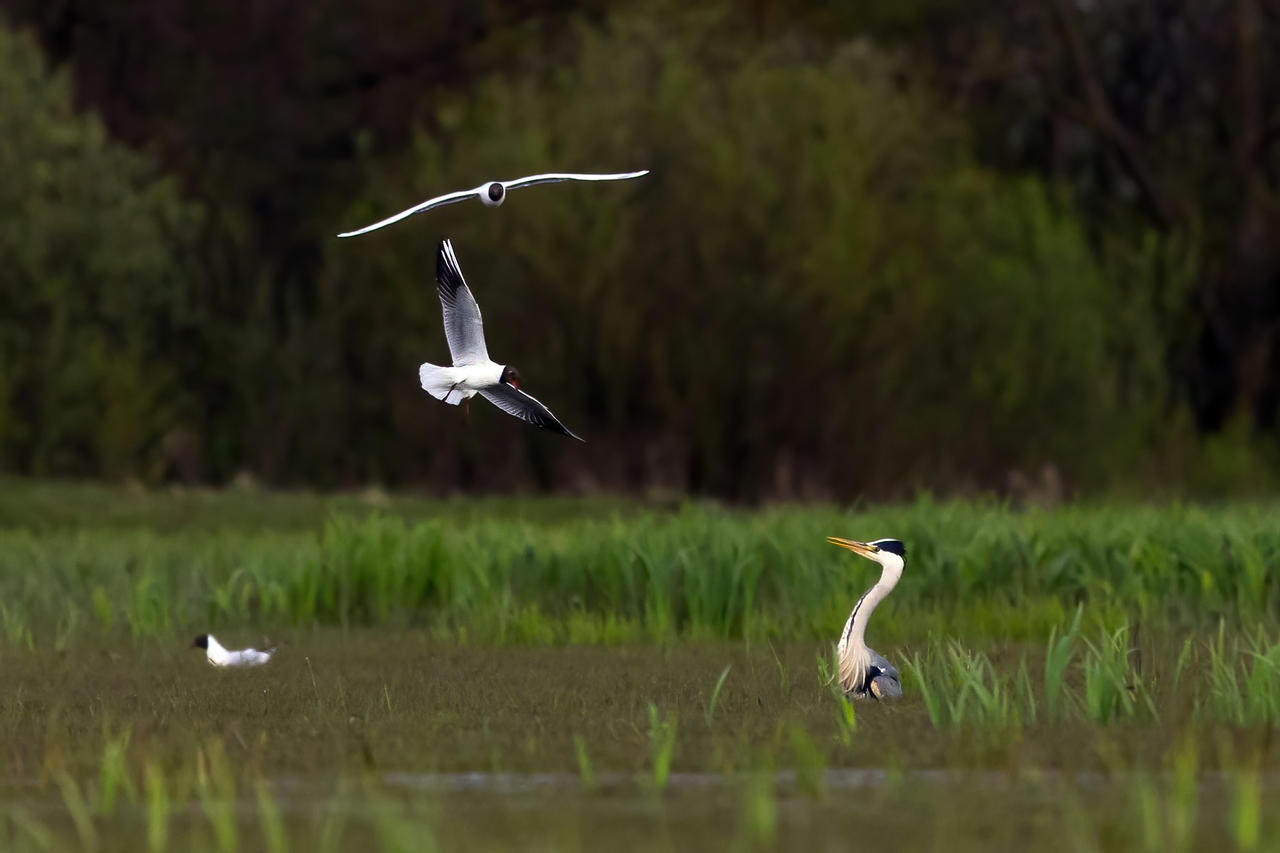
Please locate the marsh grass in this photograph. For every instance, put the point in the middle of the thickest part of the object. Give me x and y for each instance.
(512, 709)
(190, 755)
(1244, 679)
(216, 789)
(524, 576)
(158, 808)
(662, 742)
(809, 763)
(1246, 808)
(585, 773)
(846, 716)
(1170, 807)
(759, 823)
(273, 832)
(710, 713)
(1060, 650)
(1113, 687)
(961, 688)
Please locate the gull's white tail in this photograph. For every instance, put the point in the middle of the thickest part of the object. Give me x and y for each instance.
(439, 382)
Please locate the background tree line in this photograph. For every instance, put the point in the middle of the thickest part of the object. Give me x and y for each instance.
(927, 246)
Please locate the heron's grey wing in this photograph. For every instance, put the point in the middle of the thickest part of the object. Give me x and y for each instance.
(883, 687)
(463, 326)
(513, 401)
(438, 201)
(556, 177)
(878, 662)
(883, 679)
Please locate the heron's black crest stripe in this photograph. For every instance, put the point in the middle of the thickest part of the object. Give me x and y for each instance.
(893, 546)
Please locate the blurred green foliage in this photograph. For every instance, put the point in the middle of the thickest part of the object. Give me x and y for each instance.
(92, 298)
(817, 291)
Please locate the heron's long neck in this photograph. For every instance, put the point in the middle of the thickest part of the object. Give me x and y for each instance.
(867, 604)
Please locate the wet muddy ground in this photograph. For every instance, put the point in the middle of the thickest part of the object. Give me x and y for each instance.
(390, 737)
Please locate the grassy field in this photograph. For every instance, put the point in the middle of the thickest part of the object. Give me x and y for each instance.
(544, 673)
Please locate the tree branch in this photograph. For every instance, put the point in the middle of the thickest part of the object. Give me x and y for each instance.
(1103, 119)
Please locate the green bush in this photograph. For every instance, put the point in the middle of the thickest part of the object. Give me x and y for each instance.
(91, 288)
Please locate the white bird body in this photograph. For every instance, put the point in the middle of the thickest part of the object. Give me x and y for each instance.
(493, 194)
(460, 382)
(219, 656)
(472, 371)
(862, 671)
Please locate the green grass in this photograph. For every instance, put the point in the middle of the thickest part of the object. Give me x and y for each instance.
(500, 574)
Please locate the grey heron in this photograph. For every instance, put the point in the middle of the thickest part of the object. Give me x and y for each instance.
(862, 671)
(472, 371)
(493, 194)
(222, 657)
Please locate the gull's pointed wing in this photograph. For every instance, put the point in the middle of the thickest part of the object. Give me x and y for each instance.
(513, 401)
(556, 177)
(463, 326)
(438, 201)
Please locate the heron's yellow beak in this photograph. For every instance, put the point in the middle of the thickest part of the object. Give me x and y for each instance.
(856, 547)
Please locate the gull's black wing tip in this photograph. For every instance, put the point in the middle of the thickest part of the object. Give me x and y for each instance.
(448, 272)
(551, 423)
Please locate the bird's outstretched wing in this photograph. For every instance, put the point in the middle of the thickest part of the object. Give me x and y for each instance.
(450, 198)
(463, 326)
(556, 177)
(438, 201)
(513, 401)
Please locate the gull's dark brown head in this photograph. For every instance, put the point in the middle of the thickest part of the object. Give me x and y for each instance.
(200, 642)
(511, 376)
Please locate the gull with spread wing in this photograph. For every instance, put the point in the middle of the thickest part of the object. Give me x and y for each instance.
(493, 194)
(473, 372)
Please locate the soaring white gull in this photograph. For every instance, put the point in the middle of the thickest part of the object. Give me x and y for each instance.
(493, 193)
(473, 372)
(219, 656)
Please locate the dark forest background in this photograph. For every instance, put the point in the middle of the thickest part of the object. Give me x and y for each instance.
(1030, 246)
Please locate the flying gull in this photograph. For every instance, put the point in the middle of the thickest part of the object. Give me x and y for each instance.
(473, 372)
(493, 193)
